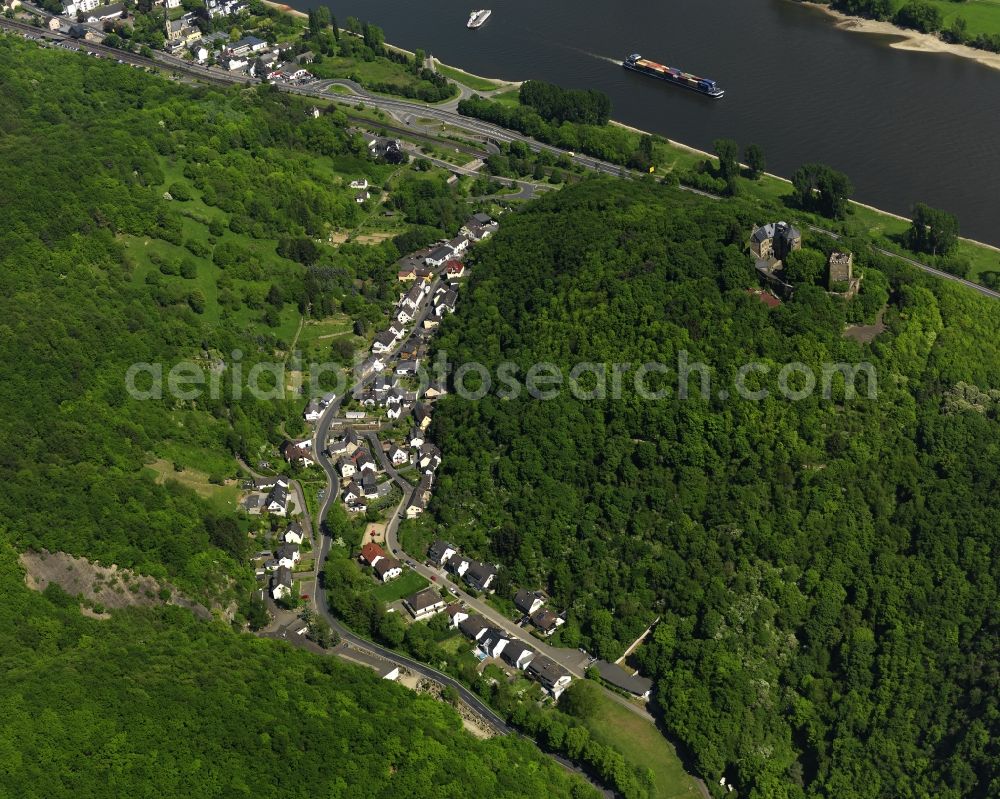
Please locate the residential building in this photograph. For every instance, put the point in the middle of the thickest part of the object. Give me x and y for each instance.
(313, 411)
(528, 601)
(383, 342)
(424, 604)
(456, 613)
(458, 245)
(346, 468)
(422, 416)
(299, 452)
(398, 456)
(617, 676)
(288, 555)
(361, 185)
(407, 368)
(253, 504)
(415, 439)
(517, 654)
(388, 569)
(493, 641)
(480, 575)
(372, 553)
(474, 626)
(552, 677)
(546, 621)
(454, 269)
(439, 255)
(440, 552)
(294, 534)
(277, 500)
(281, 583)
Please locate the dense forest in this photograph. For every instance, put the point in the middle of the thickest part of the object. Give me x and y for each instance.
(823, 570)
(148, 222)
(153, 703)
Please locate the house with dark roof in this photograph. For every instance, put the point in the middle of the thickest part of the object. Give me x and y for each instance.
(440, 551)
(617, 676)
(387, 569)
(281, 582)
(552, 677)
(528, 601)
(546, 621)
(480, 575)
(493, 641)
(456, 613)
(517, 654)
(474, 626)
(439, 255)
(288, 555)
(277, 500)
(424, 604)
(294, 534)
(383, 342)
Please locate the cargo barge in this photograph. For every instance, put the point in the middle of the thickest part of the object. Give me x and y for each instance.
(685, 80)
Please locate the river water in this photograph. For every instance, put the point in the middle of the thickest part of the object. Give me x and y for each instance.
(905, 126)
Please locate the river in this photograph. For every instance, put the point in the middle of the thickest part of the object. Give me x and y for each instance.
(905, 126)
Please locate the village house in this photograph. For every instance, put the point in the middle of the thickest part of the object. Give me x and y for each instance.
(456, 613)
(546, 622)
(457, 564)
(407, 368)
(552, 677)
(444, 301)
(352, 494)
(294, 534)
(458, 245)
(517, 655)
(346, 468)
(371, 553)
(473, 626)
(480, 575)
(398, 456)
(528, 601)
(288, 555)
(493, 641)
(428, 457)
(299, 452)
(617, 676)
(361, 185)
(313, 411)
(281, 583)
(369, 486)
(440, 552)
(108, 12)
(422, 416)
(387, 150)
(388, 569)
(345, 445)
(415, 438)
(439, 255)
(416, 507)
(361, 197)
(398, 330)
(246, 45)
(454, 269)
(383, 342)
(277, 500)
(424, 604)
(363, 461)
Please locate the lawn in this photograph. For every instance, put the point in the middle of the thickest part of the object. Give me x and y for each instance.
(474, 82)
(409, 582)
(643, 746)
(223, 496)
(512, 97)
(982, 16)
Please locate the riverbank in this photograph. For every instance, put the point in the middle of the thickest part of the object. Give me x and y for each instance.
(875, 221)
(906, 39)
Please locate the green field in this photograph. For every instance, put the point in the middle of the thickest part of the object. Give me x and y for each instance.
(642, 745)
(474, 82)
(409, 582)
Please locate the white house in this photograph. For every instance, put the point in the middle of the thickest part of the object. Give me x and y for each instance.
(458, 245)
(517, 655)
(313, 411)
(416, 438)
(347, 468)
(457, 614)
(553, 678)
(383, 342)
(439, 255)
(281, 583)
(493, 641)
(440, 552)
(388, 569)
(398, 456)
(277, 500)
(294, 534)
(424, 604)
(398, 330)
(361, 185)
(288, 555)
(528, 601)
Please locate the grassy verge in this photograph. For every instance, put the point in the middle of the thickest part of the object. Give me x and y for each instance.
(474, 82)
(407, 583)
(643, 746)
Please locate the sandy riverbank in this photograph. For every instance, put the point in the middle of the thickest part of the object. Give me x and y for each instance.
(907, 39)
